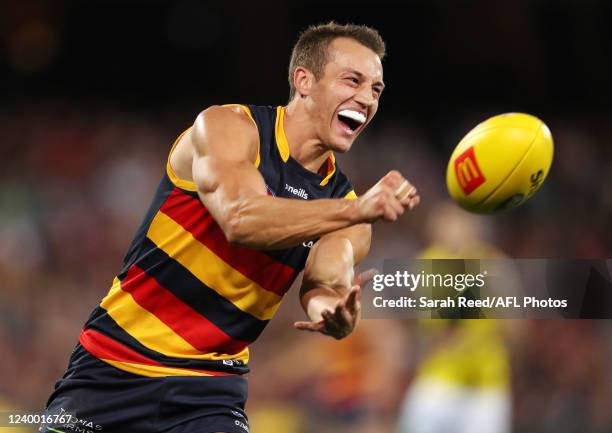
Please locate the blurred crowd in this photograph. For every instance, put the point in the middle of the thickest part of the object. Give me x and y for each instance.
(75, 183)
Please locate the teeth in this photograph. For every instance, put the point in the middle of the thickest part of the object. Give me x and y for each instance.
(355, 115)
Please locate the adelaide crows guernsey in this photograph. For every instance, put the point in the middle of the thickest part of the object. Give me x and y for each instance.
(187, 302)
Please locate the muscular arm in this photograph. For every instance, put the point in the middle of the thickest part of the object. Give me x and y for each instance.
(329, 272)
(224, 147)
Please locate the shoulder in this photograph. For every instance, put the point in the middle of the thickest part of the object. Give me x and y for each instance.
(221, 127)
(223, 117)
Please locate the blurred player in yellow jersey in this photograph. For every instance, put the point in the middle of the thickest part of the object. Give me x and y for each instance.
(462, 384)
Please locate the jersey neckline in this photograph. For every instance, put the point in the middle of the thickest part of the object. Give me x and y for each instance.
(284, 150)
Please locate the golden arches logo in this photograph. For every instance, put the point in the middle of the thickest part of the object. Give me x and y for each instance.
(469, 175)
(466, 172)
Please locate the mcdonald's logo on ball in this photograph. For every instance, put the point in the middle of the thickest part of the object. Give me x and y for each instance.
(494, 166)
(467, 171)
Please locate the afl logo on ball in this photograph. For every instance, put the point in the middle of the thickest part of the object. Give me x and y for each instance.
(467, 171)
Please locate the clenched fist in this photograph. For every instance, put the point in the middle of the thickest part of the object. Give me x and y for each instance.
(388, 199)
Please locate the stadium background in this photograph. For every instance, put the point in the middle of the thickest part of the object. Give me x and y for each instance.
(93, 94)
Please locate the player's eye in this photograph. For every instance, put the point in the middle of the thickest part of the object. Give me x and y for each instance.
(353, 80)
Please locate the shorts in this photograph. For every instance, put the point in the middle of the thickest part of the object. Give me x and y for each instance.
(103, 399)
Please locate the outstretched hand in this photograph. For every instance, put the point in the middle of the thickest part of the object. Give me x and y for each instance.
(342, 320)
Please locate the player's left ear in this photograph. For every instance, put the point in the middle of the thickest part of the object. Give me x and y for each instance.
(303, 80)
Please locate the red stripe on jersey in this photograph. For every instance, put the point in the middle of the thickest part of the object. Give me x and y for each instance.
(193, 216)
(193, 327)
(103, 347)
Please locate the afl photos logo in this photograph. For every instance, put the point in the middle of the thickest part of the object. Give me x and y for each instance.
(467, 171)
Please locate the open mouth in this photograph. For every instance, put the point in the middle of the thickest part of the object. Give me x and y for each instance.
(351, 120)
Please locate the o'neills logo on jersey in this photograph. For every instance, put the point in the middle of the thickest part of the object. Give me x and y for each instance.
(467, 171)
(299, 192)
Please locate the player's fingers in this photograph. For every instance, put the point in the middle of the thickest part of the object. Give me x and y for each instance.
(332, 323)
(389, 214)
(413, 202)
(310, 326)
(340, 323)
(343, 315)
(347, 319)
(393, 209)
(405, 201)
(357, 307)
(398, 206)
(405, 190)
(393, 179)
(352, 299)
(364, 277)
(331, 318)
(354, 311)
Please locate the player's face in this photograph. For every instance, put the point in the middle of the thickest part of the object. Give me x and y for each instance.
(346, 98)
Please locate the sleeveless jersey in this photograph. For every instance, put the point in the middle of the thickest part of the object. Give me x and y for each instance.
(187, 302)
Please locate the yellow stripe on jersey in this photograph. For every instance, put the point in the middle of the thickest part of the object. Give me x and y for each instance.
(187, 185)
(283, 144)
(246, 110)
(207, 267)
(351, 195)
(152, 370)
(279, 132)
(331, 172)
(150, 331)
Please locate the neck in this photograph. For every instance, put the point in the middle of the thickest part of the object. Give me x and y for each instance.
(304, 145)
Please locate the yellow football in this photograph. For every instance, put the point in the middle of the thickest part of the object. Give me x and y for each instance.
(500, 163)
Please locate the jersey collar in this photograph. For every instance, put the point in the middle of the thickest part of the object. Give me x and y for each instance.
(283, 146)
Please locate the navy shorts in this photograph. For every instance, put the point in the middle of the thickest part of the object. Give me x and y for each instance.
(103, 399)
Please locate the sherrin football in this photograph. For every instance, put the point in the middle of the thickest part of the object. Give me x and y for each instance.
(500, 163)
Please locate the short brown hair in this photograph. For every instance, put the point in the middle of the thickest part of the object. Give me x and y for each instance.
(310, 50)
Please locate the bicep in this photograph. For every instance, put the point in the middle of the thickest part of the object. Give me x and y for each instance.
(224, 150)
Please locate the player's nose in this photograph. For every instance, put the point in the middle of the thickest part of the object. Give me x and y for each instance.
(365, 97)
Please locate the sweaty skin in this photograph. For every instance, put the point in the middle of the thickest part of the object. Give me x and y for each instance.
(218, 155)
